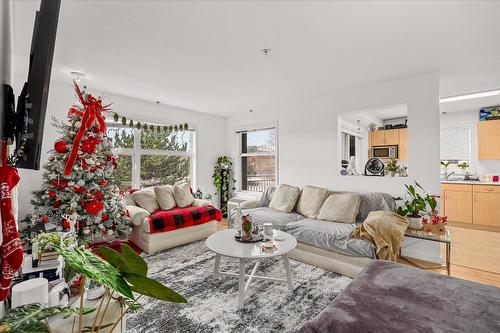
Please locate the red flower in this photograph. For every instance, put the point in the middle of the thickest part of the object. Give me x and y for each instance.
(78, 189)
(103, 182)
(94, 207)
(52, 194)
(98, 195)
(66, 224)
(89, 145)
(45, 219)
(57, 203)
(104, 216)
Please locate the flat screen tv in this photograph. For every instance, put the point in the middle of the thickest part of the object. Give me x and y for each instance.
(32, 101)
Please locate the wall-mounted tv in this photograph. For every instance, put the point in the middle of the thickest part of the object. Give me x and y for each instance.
(32, 101)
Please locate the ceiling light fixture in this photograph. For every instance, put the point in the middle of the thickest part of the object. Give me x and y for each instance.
(463, 97)
(266, 51)
(77, 76)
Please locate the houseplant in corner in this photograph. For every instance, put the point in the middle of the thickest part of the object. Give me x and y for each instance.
(223, 179)
(416, 201)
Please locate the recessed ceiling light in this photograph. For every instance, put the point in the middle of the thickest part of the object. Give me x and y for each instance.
(469, 96)
(250, 111)
(77, 76)
(266, 51)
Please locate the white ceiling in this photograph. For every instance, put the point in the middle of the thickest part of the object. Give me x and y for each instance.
(206, 55)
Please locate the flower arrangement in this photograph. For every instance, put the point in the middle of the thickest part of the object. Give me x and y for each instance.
(435, 224)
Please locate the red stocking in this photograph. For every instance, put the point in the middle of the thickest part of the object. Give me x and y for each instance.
(11, 250)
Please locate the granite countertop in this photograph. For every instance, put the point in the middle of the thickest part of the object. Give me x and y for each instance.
(469, 182)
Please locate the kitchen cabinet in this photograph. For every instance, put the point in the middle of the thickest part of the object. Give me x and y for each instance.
(391, 137)
(403, 144)
(488, 140)
(456, 202)
(377, 138)
(487, 205)
(477, 204)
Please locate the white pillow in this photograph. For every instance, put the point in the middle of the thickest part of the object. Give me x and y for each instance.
(146, 199)
(127, 198)
(310, 201)
(165, 196)
(341, 207)
(183, 196)
(284, 198)
(137, 214)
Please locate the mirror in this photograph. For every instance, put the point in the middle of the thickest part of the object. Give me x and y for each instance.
(374, 142)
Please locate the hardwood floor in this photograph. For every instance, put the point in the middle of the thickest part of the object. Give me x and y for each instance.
(475, 255)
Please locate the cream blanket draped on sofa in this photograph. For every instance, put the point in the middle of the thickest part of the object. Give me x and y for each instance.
(386, 230)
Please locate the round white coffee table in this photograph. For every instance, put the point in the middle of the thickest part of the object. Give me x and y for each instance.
(224, 244)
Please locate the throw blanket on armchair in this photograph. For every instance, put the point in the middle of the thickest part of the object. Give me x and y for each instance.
(384, 229)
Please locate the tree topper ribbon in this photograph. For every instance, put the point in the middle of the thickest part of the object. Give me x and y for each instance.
(93, 111)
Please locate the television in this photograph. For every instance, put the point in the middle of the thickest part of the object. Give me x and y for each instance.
(32, 101)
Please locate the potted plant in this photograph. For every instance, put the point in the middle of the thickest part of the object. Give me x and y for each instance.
(416, 201)
(223, 179)
(122, 274)
(392, 167)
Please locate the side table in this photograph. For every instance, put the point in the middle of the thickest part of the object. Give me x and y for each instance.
(444, 239)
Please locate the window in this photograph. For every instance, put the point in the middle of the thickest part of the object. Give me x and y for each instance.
(149, 158)
(258, 163)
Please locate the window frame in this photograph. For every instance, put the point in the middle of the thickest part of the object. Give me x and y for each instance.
(137, 152)
(239, 154)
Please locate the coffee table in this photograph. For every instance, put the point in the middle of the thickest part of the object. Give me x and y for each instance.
(224, 244)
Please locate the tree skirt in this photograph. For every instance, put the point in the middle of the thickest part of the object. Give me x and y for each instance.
(212, 303)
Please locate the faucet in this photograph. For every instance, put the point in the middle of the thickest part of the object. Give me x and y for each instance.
(448, 175)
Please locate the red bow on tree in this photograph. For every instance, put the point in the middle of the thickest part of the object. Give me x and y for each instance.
(93, 111)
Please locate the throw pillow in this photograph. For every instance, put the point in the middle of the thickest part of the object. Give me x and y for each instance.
(284, 198)
(183, 196)
(127, 198)
(341, 207)
(310, 201)
(146, 199)
(165, 196)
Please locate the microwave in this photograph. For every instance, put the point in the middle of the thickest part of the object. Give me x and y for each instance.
(384, 152)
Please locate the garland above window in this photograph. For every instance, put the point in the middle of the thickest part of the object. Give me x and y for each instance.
(148, 126)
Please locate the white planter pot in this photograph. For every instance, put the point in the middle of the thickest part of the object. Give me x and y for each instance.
(414, 222)
(392, 173)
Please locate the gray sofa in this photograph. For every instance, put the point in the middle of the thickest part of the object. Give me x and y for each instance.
(321, 243)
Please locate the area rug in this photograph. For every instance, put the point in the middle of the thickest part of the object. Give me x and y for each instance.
(212, 302)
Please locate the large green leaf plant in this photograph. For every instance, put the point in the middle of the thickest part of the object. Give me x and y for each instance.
(123, 275)
(416, 201)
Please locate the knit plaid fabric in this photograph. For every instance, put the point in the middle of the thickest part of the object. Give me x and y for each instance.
(176, 218)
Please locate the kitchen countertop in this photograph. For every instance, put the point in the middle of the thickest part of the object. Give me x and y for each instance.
(469, 182)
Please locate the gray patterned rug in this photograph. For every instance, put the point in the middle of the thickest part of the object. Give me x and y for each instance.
(212, 303)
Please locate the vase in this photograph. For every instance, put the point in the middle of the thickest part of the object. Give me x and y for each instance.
(414, 222)
(392, 173)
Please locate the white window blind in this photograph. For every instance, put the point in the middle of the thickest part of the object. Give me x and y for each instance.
(456, 143)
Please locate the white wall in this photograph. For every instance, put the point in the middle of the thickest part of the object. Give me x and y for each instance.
(209, 132)
(308, 139)
(470, 119)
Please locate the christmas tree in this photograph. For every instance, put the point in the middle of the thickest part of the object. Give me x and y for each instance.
(78, 181)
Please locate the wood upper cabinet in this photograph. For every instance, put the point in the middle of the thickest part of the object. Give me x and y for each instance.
(377, 138)
(456, 202)
(488, 140)
(391, 137)
(403, 144)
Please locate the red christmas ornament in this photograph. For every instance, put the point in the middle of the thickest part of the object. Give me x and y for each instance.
(52, 194)
(94, 207)
(66, 224)
(63, 184)
(103, 182)
(104, 216)
(45, 219)
(78, 189)
(54, 183)
(57, 203)
(61, 146)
